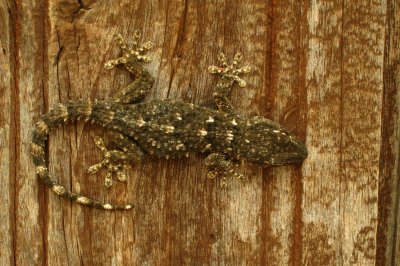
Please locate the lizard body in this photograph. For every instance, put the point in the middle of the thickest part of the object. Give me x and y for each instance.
(168, 128)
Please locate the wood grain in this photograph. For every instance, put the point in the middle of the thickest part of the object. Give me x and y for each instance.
(389, 185)
(326, 69)
(321, 230)
(7, 139)
(29, 101)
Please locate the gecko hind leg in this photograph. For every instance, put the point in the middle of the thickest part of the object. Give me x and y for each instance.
(116, 161)
(229, 74)
(133, 59)
(219, 166)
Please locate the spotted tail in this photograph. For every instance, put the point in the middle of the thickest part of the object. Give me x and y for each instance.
(60, 115)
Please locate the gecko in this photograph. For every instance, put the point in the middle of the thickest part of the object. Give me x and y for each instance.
(167, 128)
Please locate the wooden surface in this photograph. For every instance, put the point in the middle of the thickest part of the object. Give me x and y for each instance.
(327, 70)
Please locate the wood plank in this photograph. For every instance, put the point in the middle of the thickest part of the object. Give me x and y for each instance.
(79, 44)
(69, 73)
(281, 98)
(345, 70)
(361, 94)
(30, 79)
(389, 190)
(184, 220)
(235, 225)
(322, 182)
(176, 57)
(7, 127)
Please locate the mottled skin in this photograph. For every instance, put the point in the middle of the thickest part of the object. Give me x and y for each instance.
(169, 128)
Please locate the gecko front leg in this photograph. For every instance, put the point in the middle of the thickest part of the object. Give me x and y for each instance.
(229, 74)
(132, 59)
(116, 161)
(219, 166)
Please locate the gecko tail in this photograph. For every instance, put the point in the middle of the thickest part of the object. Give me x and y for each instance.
(61, 114)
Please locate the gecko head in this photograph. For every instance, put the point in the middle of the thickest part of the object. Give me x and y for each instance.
(267, 143)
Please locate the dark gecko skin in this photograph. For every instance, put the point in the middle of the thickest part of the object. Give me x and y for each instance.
(168, 128)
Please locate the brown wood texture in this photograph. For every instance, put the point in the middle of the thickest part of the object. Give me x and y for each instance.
(328, 70)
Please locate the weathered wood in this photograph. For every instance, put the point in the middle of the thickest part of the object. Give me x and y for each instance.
(321, 207)
(29, 75)
(328, 70)
(345, 75)
(7, 138)
(387, 252)
(281, 97)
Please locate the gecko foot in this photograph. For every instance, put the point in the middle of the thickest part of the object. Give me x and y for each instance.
(114, 161)
(134, 54)
(219, 167)
(230, 71)
(224, 176)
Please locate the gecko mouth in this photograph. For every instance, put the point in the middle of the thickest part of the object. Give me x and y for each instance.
(295, 155)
